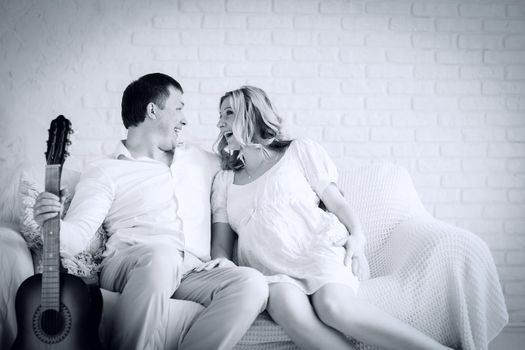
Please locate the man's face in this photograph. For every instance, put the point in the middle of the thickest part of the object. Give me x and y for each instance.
(170, 120)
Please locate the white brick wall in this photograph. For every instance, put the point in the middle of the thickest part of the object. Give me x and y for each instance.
(436, 85)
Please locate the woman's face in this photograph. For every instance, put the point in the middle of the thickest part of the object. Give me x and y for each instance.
(225, 124)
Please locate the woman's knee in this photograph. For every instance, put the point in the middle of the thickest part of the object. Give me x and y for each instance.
(286, 308)
(327, 309)
(278, 309)
(332, 309)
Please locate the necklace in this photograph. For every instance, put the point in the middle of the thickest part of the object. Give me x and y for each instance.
(255, 170)
(263, 161)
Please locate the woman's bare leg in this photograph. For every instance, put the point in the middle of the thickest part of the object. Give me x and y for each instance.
(337, 306)
(291, 309)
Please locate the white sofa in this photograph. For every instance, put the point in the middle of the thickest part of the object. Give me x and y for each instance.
(439, 278)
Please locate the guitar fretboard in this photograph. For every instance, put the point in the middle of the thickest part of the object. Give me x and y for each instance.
(51, 252)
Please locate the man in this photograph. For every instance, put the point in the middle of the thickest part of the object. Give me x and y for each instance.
(132, 194)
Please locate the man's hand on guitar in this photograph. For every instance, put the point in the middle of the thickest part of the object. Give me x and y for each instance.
(47, 206)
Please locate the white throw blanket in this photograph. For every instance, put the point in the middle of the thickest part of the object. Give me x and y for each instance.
(434, 276)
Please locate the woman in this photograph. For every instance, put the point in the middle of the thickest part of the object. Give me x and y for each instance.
(268, 194)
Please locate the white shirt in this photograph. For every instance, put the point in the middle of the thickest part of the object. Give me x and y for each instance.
(133, 197)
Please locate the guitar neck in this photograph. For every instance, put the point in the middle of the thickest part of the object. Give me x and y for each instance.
(51, 251)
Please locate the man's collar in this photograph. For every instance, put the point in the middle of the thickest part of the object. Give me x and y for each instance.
(121, 151)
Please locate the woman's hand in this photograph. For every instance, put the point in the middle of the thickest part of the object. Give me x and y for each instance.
(219, 262)
(355, 254)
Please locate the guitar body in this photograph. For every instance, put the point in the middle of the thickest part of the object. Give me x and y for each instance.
(74, 327)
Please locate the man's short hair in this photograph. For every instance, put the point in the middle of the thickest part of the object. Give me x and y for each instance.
(152, 87)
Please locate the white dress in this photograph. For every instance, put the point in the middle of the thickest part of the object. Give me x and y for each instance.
(281, 230)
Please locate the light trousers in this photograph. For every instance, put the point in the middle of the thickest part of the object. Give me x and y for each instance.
(148, 275)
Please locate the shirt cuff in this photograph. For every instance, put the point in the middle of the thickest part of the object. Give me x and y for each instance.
(70, 243)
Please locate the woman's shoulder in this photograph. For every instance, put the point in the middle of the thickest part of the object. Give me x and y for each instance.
(224, 176)
(305, 145)
(305, 141)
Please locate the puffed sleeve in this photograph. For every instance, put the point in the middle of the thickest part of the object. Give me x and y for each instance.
(318, 167)
(219, 196)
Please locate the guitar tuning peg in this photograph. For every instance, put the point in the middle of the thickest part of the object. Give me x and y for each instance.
(67, 154)
(68, 143)
(70, 131)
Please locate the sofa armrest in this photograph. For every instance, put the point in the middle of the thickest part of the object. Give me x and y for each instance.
(16, 265)
(15, 253)
(413, 244)
(446, 275)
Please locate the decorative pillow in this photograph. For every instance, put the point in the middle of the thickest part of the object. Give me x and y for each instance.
(84, 264)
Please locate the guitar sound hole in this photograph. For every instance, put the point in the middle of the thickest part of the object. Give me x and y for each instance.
(50, 326)
(52, 322)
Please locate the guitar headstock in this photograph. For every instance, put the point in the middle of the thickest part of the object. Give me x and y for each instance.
(58, 141)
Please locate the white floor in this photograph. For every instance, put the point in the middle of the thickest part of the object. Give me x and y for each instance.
(511, 338)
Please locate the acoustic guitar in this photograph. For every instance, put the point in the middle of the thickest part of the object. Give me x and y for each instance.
(56, 310)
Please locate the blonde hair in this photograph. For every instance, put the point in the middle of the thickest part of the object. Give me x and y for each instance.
(255, 124)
